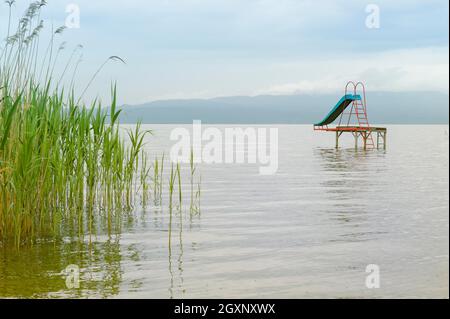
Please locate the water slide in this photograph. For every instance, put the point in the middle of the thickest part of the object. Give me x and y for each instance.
(339, 108)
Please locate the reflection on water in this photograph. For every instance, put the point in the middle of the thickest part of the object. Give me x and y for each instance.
(349, 182)
(174, 261)
(308, 231)
(39, 271)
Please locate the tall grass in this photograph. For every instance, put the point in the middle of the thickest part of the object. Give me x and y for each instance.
(194, 207)
(58, 163)
(60, 160)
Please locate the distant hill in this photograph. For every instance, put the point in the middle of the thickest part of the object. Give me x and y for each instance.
(383, 107)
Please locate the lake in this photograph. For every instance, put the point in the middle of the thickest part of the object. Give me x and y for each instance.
(309, 231)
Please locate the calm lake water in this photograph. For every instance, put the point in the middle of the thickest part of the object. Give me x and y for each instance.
(307, 232)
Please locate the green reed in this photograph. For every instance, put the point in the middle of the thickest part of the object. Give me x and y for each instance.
(161, 177)
(172, 178)
(59, 160)
(195, 193)
(158, 170)
(171, 189)
(144, 177)
(155, 179)
(180, 196)
(63, 162)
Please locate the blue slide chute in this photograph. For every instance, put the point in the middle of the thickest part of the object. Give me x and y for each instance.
(339, 108)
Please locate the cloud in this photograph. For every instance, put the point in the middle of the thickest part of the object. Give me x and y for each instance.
(425, 69)
(204, 48)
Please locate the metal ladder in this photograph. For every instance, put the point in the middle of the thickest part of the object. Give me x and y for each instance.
(359, 109)
(361, 114)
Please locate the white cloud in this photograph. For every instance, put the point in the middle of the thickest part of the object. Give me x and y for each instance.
(401, 70)
(206, 48)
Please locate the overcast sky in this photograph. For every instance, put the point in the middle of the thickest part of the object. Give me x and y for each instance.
(209, 48)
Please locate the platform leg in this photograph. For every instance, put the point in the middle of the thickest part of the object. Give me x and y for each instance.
(364, 135)
(356, 139)
(337, 139)
(378, 140)
(384, 140)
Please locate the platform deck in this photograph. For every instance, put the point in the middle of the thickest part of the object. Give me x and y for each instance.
(351, 129)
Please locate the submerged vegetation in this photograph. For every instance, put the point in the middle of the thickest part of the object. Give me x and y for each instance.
(62, 162)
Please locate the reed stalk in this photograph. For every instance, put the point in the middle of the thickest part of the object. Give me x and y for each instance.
(63, 162)
(60, 161)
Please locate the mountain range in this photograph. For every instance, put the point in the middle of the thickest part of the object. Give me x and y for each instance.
(383, 108)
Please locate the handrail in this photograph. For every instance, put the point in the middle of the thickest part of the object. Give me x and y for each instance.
(364, 94)
(364, 100)
(345, 93)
